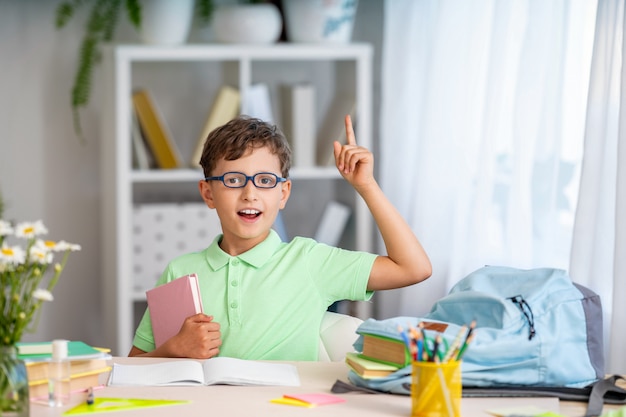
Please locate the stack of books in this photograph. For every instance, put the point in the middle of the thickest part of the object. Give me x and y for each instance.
(87, 364)
(380, 357)
(367, 368)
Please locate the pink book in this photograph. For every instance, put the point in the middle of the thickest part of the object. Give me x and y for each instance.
(170, 304)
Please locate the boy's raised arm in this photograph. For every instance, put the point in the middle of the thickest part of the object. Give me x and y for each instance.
(406, 262)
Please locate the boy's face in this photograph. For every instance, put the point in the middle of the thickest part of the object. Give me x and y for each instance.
(246, 214)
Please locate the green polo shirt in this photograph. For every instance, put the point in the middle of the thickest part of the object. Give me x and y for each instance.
(270, 300)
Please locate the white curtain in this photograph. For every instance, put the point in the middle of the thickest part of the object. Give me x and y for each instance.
(482, 126)
(599, 246)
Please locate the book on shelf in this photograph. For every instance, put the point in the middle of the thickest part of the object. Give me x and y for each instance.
(257, 102)
(155, 131)
(142, 158)
(333, 128)
(368, 368)
(225, 107)
(332, 223)
(299, 125)
(217, 370)
(38, 390)
(170, 304)
(385, 350)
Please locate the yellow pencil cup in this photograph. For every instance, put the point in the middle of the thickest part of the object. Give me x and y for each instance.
(436, 389)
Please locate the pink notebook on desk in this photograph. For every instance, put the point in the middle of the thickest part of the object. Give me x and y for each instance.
(171, 303)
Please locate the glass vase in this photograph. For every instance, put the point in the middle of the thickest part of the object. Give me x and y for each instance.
(14, 401)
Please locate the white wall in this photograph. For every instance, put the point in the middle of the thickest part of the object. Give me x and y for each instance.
(45, 171)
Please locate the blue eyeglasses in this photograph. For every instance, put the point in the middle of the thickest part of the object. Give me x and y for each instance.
(240, 180)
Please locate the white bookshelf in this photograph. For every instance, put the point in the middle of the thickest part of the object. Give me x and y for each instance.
(185, 80)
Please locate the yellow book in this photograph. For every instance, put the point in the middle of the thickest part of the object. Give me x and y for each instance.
(78, 382)
(225, 108)
(155, 131)
(368, 368)
(39, 371)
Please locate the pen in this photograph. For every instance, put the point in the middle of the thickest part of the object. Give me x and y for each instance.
(456, 344)
(472, 326)
(90, 396)
(408, 342)
(464, 347)
(435, 356)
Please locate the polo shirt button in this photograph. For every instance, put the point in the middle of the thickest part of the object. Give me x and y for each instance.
(234, 283)
(236, 262)
(233, 305)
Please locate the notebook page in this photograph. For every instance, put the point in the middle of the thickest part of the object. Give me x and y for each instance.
(232, 371)
(163, 373)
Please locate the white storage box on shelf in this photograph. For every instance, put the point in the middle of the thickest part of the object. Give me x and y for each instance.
(163, 231)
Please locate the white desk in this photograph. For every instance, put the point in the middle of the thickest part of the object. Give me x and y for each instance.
(234, 401)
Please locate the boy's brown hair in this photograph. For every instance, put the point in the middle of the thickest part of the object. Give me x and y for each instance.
(243, 133)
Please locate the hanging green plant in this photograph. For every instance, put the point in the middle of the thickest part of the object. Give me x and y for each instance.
(100, 29)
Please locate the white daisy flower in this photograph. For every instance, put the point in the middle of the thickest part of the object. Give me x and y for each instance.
(14, 255)
(50, 245)
(5, 228)
(40, 254)
(43, 295)
(29, 230)
(63, 246)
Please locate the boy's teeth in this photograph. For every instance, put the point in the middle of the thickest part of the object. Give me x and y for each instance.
(250, 211)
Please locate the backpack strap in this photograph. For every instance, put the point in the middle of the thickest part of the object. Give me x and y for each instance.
(605, 390)
(341, 387)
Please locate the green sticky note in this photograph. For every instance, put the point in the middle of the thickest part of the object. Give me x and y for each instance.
(105, 405)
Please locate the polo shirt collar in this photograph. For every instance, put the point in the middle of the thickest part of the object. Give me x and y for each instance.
(256, 257)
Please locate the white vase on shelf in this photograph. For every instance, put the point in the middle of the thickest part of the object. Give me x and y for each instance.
(247, 23)
(319, 21)
(166, 22)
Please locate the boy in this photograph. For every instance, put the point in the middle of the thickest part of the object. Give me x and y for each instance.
(265, 298)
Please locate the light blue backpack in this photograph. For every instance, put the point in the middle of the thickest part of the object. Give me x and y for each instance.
(534, 328)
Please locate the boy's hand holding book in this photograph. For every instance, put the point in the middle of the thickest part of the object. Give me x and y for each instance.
(179, 325)
(198, 338)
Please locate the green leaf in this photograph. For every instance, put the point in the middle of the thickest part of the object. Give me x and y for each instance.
(65, 11)
(204, 9)
(134, 12)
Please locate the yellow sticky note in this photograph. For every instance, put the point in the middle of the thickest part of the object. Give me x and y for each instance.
(291, 401)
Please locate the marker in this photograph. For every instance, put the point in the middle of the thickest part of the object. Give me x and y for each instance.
(90, 399)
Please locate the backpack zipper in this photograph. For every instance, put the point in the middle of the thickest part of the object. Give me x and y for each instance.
(519, 301)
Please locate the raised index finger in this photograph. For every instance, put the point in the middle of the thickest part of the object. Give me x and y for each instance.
(350, 139)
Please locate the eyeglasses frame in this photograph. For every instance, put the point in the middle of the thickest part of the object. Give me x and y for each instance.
(248, 178)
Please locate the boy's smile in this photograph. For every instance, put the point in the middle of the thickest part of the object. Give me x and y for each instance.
(247, 213)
